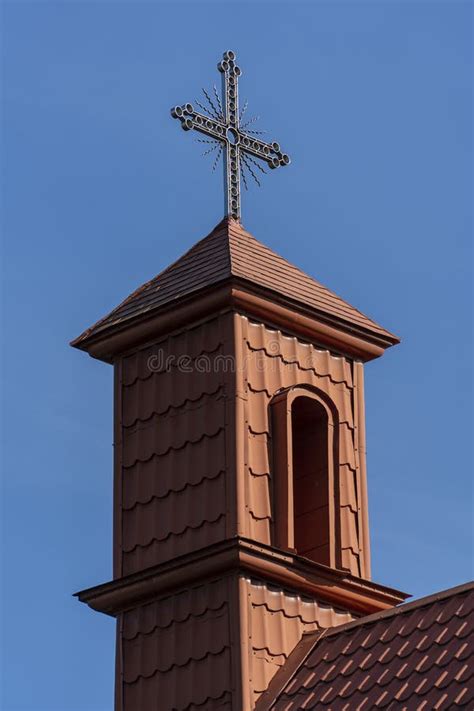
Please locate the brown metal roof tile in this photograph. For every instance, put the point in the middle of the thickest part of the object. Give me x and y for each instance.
(192, 342)
(230, 252)
(259, 497)
(347, 491)
(395, 659)
(223, 703)
(176, 650)
(175, 646)
(175, 471)
(160, 518)
(258, 456)
(169, 458)
(277, 621)
(290, 350)
(259, 528)
(177, 608)
(196, 684)
(463, 652)
(165, 395)
(160, 434)
(190, 539)
(258, 413)
(454, 607)
(136, 537)
(466, 628)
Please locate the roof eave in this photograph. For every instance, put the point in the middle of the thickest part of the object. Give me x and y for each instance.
(378, 335)
(274, 308)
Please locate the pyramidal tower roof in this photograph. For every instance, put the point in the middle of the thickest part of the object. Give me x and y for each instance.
(231, 254)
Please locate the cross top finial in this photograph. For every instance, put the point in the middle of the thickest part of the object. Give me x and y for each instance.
(224, 131)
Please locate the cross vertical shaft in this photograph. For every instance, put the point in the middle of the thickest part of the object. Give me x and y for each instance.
(230, 86)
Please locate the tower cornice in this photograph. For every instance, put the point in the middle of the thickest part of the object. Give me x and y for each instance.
(243, 556)
(244, 297)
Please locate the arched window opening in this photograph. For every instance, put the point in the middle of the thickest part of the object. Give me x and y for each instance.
(309, 423)
(304, 466)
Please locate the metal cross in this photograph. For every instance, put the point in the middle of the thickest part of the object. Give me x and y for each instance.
(240, 147)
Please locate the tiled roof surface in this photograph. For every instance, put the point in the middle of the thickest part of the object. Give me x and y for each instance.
(417, 657)
(230, 251)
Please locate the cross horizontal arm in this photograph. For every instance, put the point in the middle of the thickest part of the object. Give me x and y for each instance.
(191, 119)
(271, 153)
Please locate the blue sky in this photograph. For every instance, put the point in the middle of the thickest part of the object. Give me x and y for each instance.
(101, 190)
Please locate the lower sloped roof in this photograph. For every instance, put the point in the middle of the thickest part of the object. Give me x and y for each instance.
(418, 656)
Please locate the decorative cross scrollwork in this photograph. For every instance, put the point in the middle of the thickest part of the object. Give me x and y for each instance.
(239, 144)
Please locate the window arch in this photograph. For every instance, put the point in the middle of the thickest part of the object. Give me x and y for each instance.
(304, 472)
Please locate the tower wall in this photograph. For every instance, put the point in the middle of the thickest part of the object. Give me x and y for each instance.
(175, 652)
(213, 645)
(193, 468)
(271, 362)
(193, 423)
(173, 446)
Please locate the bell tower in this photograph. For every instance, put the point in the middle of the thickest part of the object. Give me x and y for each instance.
(240, 493)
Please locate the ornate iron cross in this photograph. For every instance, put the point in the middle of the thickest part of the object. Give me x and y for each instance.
(223, 127)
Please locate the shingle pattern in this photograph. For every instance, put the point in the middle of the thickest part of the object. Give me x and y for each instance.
(277, 620)
(177, 653)
(417, 657)
(175, 428)
(230, 251)
(172, 448)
